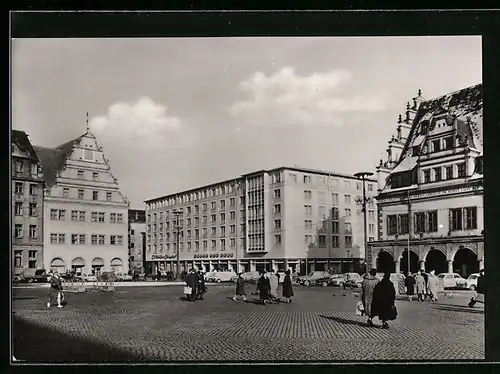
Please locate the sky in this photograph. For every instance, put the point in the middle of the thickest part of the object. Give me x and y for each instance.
(178, 113)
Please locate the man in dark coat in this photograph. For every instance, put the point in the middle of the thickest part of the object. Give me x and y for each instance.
(426, 280)
(264, 287)
(410, 286)
(480, 288)
(191, 282)
(384, 297)
(287, 287)
(240, 288)
(200, 285)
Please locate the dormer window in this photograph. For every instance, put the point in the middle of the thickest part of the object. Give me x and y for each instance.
(416, 150)
(448, 143)
(436, 145)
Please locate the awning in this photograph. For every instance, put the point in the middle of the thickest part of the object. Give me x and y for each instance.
(418, 140)
(97, 262)
(115, 262)
(57, 262)
(407, 164)
(78, 262)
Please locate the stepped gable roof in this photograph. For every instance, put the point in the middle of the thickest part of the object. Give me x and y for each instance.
(466, 105)
(20, 138)
(54, 159)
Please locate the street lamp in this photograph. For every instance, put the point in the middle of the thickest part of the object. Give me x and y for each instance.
(178, 229)
(363, 176)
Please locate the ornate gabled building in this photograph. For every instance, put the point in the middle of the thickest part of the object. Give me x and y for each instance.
(432, 199)
(27, 206)
(86, 216)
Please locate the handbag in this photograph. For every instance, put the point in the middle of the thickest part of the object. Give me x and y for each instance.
(393, 313)
(187, 290)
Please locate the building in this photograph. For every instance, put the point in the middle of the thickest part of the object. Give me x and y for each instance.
(137, 239)
(27, 206)
(431, 199)
(85, 215)
(288, 217)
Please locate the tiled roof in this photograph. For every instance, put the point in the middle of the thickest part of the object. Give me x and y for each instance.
(23, 143)
(54, 159)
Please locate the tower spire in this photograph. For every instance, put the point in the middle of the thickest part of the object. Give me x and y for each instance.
(87, 121)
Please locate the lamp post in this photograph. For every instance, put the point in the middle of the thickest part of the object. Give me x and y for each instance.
(363, 176)
(177, 214)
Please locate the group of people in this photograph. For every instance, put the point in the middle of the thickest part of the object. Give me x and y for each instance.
(378, 298)
(426, 286)
(195, 281)
(267, 287)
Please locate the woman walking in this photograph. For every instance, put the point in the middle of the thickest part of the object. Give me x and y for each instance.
(240, 288)
(263, 286)
(420, 285)
(384, 297)
(369, 284)
(410, 286)
(287, 287)
(433, 286)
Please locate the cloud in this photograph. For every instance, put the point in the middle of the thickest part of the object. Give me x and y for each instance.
(286, 98)
(142, 118)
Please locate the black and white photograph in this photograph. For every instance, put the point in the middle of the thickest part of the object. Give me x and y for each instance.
(212, 199)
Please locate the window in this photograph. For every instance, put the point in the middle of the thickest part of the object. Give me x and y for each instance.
(348, 241)
(213, 244)
(108, 196)
(80, 194)
(277, 224)
(62, 215)
(53, 238)
(308, 239)
(95, 177)
(335, 214)
(242, 200)
(461, 170)
(116, 240)
(348, 212)
(348, 227)
(18, 209)
(427, 176)
(223, 244)
(205, 244)
(432, 221)
(212, 205)
(80, 174)
(322, 240)
(419, 222)
(438, 174)
(370, 187)
(223, 204)
(371, 228)
(213, 231)
(232, 215)
(18, 259)
(204, 207)
(403, 224)
(448, 142)
(223, 218)
(95, 195)
(347, 199)
(277, 194)
(307, 179)
(232, 229)
(308, 224)
(19, 188)
(101, 239)
(33, 190)
(335, 241)
(277, 239)
(358, 186)
(392, 225)
(436, 145)
(307, 194)
(32, 254)
(19, 166)
(456, 219)
(101, 217)
(213, 218)
(449, 172)
(277, 208)
(112, 218)
(65, 192)
(33, 232)
(74, 239)
(94, 240)
(335, 227)
(61, 238)
(470, 218)
(307, 209)
(371, 215)
(34, 169)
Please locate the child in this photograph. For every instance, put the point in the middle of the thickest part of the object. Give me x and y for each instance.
(55, 288)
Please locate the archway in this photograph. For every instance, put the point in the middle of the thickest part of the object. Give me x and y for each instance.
(58, 264)
(385, 262)
(465, 262)
(97, 265)
(116, 265)
(77, 265)
(403, 265)
(436, 260)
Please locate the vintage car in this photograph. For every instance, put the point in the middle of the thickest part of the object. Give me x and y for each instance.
(452, 280)
(352, 280)
(249, 276)
(312, 278)
(471, 282)
(221, 276)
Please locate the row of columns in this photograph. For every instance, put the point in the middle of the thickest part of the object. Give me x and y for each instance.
(422, 265)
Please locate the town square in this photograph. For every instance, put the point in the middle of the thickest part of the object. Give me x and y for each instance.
(247, 199)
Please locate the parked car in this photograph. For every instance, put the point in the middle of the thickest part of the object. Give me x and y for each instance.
(39, 277)
(335, 280)
(127, 278)
(18, 278)
(209, 275)
(471, 281)
(452, 280)
(249, 276)
(89, 278)
(312, 277)
(221, 276)
(352, 280)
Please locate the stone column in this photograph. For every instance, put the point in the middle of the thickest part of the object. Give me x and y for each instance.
(450, 266)
(398, 268)
(422, 265)
(481, 264)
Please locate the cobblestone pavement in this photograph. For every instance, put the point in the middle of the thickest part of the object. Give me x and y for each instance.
(154, 324)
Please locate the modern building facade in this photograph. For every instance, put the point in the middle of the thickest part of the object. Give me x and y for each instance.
(85, 214)
(137, 239)
(27, 206)
(288, 217)
(430, 200)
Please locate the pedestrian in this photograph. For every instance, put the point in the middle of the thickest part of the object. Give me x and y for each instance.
(420, 285)
(369, 284)
(287, 287)
(55, 289)
(200, 285)
(240, 288)
(410, 286)
(263, 287)
(383, 302)
(273, 282)
(480, 288)
(432, 286)
(191, 282)
(426, 283)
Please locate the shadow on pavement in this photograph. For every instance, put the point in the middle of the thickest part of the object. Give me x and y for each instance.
(459, 309)
(34, 343)
(346, 321)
